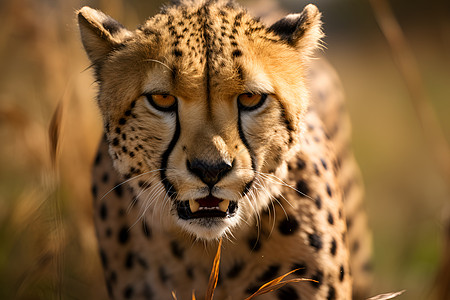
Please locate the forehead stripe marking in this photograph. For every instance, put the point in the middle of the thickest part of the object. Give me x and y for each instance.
(206, 39)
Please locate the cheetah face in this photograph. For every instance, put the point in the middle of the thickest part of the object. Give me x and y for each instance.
(200, 107)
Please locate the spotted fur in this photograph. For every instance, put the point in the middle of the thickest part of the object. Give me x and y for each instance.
(285, 164)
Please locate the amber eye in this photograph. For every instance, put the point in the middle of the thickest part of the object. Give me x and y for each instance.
(162, 102)
(248, 101)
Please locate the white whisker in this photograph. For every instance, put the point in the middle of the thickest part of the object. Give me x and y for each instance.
(128, 180)
(159, 62)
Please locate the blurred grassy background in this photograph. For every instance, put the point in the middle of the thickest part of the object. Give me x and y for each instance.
(47, 242)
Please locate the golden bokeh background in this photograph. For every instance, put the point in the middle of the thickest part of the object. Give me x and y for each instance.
(47, 242)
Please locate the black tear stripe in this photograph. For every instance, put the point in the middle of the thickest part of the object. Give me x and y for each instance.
(165, 159)
(250, 151)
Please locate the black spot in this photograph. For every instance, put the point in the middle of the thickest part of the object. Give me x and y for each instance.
(94, 190)
(118, 190)
(122, 121)
(177, 251)
(301, 164)
(146, 230)
(124, 136)
(333, 247)
(115, 142)
(104, 259)
(177, 52)
(287, 293)
(235, 270)
(98, 158)
(131, 154)
(330, 218)
(105, 177)
(237, 53)
(142, 262)
(128, 292)
(288, 226)
(318, 278)
(318, 202)
(129, 261)
(103, 211)
(300, 268)
(108, 232)
(141, 183)
(355, 246)
(367, 266)
(329, 190)
(124, 149)
(269, 274)
(254, 244)
(331, 293)
(316, 169)
(302, 188)
(163, 276)
(324, 164)
(117, 130)
(341, 273)
(349, 222)
(123, 235)
(148, 292)
(190, 273)
(315, 241)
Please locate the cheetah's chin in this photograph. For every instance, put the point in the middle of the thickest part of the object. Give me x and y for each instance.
(207, 207)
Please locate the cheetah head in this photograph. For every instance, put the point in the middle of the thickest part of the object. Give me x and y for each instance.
(201, 106)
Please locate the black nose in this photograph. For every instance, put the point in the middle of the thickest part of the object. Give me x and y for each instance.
(209, 173)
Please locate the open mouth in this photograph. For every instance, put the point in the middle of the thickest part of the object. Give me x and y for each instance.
(208, 207)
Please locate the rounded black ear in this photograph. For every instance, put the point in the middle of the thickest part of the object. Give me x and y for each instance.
(100, 33)
(302, 31)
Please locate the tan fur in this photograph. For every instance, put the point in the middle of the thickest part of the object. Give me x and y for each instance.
(285, 175)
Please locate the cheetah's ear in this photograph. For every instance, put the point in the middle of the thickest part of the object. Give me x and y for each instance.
(303, 30)
(100, 33)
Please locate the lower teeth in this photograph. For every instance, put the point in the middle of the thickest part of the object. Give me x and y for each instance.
(195, 206)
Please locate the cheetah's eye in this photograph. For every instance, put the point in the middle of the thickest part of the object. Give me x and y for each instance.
(163, 102)
(248, 101)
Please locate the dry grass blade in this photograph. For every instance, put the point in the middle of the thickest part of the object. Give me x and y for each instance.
(214, 274)
(174, 296)
(54, 132)
(387, 296)
(408, 66)
(193, 295)
(276, 284)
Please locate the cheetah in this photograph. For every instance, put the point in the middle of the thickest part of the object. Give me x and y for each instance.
(217, 126)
